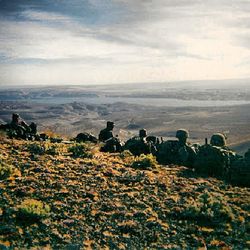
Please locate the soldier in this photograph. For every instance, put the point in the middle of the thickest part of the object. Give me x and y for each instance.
(214, 158)
(18, 123)
(139, 145)
(106, 133)
(186, 153)
(177, 152)
(182, 135)
(33, 128)
(18, 127)
(112, 145)
(219, 140)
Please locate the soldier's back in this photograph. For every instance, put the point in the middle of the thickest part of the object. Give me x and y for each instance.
(167, 152)
(105, 134)
(213, 160)
(137, 146)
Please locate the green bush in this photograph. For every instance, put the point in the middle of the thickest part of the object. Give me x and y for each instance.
(36, 148)
(52, 150)
(80, 150)
(43, 148)
(125, 154)
(144, 162)
(209, 208)
(33, 210)
(6, 170)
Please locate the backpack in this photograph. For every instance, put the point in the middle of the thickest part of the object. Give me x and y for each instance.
(86, 137)
(167, 152)
(212, 160)
(138, 146)
(172, 152)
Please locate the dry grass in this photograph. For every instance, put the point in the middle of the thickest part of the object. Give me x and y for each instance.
(104, 202)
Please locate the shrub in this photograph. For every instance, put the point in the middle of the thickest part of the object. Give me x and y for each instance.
(144, 162)
(80, 150)
(6, 170)
(125, 154)
(33, 210)
(209, 208)
(35, 148)
(52, 150)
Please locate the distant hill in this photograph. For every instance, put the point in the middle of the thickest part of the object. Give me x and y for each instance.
(69, 119)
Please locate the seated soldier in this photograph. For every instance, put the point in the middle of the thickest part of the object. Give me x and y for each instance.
(182, 135)
(186, 153)
(19, 126)
(20, 129)
(33, 128)
(219, 140)
(17, 121)
(176, 152)
(215, 158)
(138, 145)
(106, 133)
(112, 145)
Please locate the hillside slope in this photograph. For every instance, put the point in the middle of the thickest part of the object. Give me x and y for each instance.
(50, 199)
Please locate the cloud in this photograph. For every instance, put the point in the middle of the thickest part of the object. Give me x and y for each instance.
(43, 41)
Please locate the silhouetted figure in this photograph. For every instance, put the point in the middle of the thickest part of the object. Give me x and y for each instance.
(106, 133)
(138, 145)
(177, 152)
(18, 128)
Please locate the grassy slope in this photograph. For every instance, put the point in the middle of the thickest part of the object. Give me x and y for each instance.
(104, 202)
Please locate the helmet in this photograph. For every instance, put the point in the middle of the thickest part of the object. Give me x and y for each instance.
(182, 133)
(15, 115)
(218, 140)
(110, 124)
(142, 133)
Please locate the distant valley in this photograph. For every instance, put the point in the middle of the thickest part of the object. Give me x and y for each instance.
(160, 108)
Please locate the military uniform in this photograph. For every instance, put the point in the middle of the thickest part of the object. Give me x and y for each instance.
(140, 145)
(112, 145)
(172, 152)
(177, 152)
(106, 133)
(137, 146)
(18, 128)
(214, 158)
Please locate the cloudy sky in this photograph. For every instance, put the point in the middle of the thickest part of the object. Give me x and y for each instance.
(121, 41)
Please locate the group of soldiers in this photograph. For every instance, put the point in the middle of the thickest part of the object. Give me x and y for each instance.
(18, 128)
(214, 158)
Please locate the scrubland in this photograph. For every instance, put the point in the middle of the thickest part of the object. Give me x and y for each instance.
(72, 196)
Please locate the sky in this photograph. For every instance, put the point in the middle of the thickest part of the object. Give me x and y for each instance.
(123, 41)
